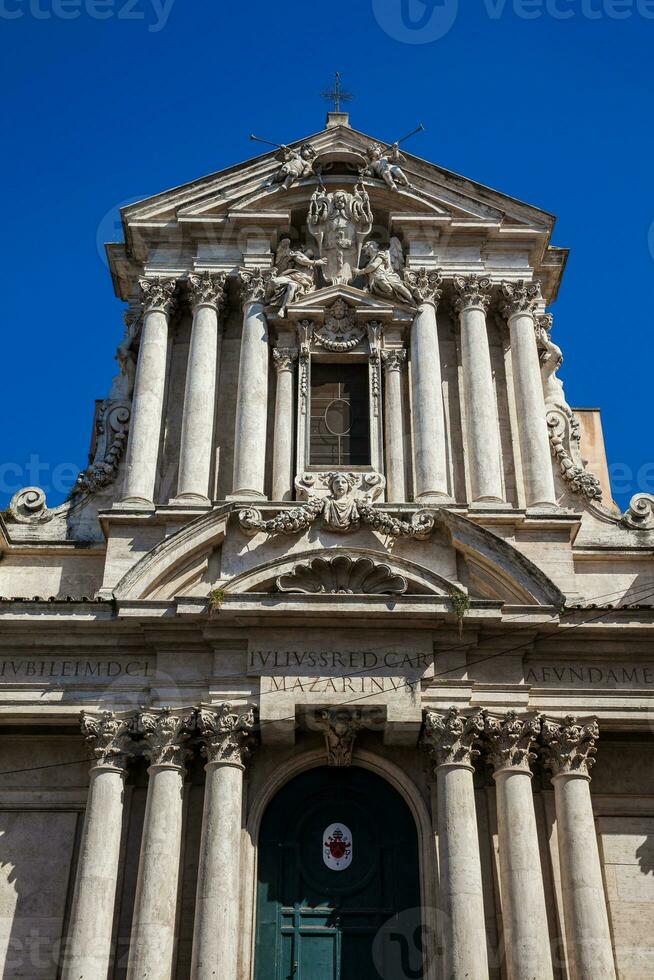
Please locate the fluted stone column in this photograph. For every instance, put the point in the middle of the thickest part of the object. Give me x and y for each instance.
(228, 739)
(155, 906)
(394, 425)
(569, 754)
(484, 452)
(148, 396)
(450, 740)
(429, 446)
(88, 944)
(524, 913)
(283, 469)
(252, 398)
(521, 302)
(207, 297)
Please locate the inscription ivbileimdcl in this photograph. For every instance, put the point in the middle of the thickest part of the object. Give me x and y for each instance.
(54, 669)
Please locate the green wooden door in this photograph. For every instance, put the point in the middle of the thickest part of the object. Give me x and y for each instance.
(338, 885)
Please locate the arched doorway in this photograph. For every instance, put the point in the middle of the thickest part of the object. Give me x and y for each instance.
(338, 892)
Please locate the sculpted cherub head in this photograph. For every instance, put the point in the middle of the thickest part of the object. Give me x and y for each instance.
(375, 151)
(307, 152)
(340, 484)
(370, 249)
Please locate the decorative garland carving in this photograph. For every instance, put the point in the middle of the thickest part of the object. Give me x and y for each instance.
(343, 508)
(342, 576)
(112, 426)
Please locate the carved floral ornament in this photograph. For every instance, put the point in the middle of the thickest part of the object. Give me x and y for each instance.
(344, 502)
(207, 290)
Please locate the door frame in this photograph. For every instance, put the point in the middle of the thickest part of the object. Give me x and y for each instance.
(295, 766)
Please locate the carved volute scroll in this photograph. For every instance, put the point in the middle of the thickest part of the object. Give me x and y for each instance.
(254, 285)
(450, 739)
(227, 733)
(108, 738)
(425, 285)
(472, 292)
(570, 746)
(207, 290)
(157, 294)
(520, 297)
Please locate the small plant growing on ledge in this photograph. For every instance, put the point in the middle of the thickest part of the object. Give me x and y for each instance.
(216, 598)
(460, 604)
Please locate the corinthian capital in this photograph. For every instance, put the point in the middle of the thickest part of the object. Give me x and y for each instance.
(227, 733)
(425, 285)
(254, 284)
(511, 739)
(207, 290)
(340, 727)
(449, 739)
(570, 747)
(393, 359)
(166, 733)
(108, 738)
(157, 294)
(520, 297)
(284, 358)
(473, 292)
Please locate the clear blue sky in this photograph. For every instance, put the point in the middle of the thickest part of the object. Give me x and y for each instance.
(550, 108)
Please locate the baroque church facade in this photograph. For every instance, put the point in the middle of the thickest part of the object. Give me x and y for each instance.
(339, 660)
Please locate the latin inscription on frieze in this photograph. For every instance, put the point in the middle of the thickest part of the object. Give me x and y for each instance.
(342, 663)
(613, 676)
(73, 670)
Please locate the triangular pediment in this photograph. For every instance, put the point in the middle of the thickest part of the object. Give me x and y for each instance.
(363, 304)
(245, 188)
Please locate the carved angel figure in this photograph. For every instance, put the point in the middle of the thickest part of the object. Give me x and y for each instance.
(340, 222)
(551, 359)
(382, 271)
(295, 165)
(293, 275)
(386, 166)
